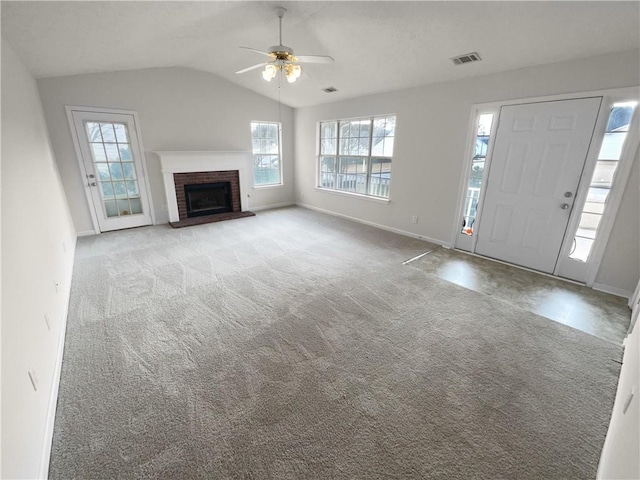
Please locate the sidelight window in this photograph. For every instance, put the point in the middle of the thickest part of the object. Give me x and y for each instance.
(602, 179)
(476, 175)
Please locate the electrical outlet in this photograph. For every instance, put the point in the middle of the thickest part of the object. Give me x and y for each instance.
(414, 219)
(34, 379)
(47, 321)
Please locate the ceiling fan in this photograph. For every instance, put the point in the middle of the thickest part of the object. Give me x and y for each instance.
(282, 59)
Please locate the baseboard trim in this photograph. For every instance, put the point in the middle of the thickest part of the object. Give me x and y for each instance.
(377, 225)
(618, 292)
(55, 385)
(272, 206)
(86, 233)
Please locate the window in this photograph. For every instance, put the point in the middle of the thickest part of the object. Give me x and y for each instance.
(608, 159)
(267, 162)
(355, 155)
(112, 160)
(477, 172)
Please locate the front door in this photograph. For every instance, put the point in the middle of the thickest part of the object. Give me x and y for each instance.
(539, 154)
(113, 170)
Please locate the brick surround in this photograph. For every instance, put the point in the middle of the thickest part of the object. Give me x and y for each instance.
(194, 178)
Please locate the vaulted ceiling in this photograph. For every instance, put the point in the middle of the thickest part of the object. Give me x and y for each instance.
(377, 46)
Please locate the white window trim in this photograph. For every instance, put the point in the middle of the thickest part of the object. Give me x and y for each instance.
(76, 145)
(280, 160)
(609, 96)
(371, 198)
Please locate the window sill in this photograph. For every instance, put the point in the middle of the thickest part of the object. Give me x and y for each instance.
(354, 195)
(262, 187)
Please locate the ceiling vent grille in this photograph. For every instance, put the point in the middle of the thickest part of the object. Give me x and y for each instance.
(466, 58)
(330, 89)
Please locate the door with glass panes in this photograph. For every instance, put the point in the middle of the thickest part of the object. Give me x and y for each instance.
(111, 157)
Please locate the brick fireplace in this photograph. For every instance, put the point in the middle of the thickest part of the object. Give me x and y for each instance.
(201, 168)
(182, 180)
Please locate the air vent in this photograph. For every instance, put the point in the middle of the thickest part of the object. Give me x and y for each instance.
(330, 89)
(466, 58)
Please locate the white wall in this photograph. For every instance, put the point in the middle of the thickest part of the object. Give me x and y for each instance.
(179, 109)
(431, 137)
(621, 452)
(38, 244)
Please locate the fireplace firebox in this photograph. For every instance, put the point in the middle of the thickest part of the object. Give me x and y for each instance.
(208, 198)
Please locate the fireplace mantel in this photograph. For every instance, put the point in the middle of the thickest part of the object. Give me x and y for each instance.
(189, 161)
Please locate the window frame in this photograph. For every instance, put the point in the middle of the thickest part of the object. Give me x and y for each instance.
(368, 159)
(253, 156)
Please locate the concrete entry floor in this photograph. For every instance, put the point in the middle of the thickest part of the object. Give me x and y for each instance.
(596, 313)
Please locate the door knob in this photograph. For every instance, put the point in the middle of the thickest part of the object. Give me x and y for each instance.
(568, 194)
(564, 206)
(93, 184)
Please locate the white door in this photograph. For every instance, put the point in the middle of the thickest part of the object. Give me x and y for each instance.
(537, 161)
(111, 157)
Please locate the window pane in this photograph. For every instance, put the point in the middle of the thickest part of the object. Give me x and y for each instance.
(353, 165)
(598, 195)
(328, 164)
(612, 144)
(484, 124)
(603, 174)
(93, 132)
(97, 149)
(107, 189)
(581, 248)
(123, 207)
(588, 225)
(108, 134)
(103, 171)
(380, 177)
(379, 126)
(388, 147)
(136, 205)
(125, 152)
(110, 208)
(112, 152)
(620, 118)
(132, 189)
(593, 207)
(328, 146)
(129, 171)
(482, 142)
(116, 171)
(121, 133)
(120, 189)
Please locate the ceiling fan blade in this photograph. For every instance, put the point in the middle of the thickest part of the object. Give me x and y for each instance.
(253, 67)
(315, 59)
(256, 51)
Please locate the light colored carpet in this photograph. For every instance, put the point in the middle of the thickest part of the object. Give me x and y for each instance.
(295, 345)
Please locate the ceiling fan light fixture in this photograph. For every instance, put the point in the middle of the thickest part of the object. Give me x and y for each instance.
(269, 72)
(292, 72)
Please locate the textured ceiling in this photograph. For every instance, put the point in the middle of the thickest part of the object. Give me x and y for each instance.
(377, 46)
